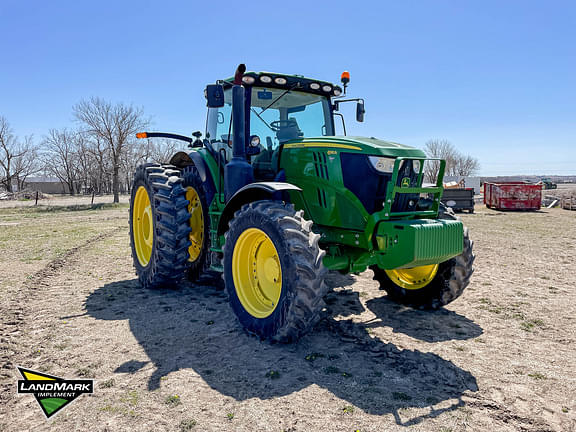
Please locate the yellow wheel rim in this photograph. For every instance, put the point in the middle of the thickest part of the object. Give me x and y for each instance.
(196, 223)
(142, 226)
(413, 278)
(257, 273)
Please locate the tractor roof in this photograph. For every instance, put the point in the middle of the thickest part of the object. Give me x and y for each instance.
(285, 81)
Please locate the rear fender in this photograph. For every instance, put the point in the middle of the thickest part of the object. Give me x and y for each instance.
(183, 159)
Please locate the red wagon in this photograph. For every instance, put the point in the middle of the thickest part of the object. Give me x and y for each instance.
(513, 196)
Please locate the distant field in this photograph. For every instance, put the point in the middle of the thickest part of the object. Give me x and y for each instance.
(62, 200)
(500, 358)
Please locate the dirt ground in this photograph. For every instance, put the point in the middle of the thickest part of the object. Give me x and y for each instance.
(500, 358)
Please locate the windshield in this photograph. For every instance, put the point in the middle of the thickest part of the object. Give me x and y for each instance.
(276, 116)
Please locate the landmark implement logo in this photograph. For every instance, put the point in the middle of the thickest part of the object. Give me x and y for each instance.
(51, 392)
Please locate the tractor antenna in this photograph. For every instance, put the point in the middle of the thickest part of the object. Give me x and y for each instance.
(239, 74)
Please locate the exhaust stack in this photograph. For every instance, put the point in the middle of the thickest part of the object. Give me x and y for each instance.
(238, 172)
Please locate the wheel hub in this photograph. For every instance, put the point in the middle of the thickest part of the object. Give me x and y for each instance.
(196, 236)
(257, 273)
(142, 226)
(413, 278)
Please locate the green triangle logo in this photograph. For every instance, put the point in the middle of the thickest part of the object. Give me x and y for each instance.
(51, 392)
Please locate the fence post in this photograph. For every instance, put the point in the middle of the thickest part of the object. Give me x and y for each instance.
(36, 202)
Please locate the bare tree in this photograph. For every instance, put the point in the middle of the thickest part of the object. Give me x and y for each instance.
(150, 150)
(115, 125)
(9, 151)
(18, 157)
(101, 172)
(456, 162)
(27, 163)
(87, 166)
(61, 157)
(162, 150)
(466, 165)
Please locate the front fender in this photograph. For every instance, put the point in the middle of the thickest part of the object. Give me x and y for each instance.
(255, 192)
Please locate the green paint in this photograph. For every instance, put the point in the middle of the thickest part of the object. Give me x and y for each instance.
(53, 404)
(413, 243)
(371, 146)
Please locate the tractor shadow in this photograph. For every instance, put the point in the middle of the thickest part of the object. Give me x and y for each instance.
(429, 326)
(194, 328)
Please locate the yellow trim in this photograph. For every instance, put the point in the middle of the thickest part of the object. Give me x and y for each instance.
(36, 377)
(413, 278)
(142, 226)
(257, 273)
(196, 236)
(304, 145)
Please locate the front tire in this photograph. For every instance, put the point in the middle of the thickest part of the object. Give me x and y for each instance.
(430, 287)
(273, 271)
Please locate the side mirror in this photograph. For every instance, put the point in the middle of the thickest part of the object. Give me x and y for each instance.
(214, 96)
(360, 111)
(197, 142)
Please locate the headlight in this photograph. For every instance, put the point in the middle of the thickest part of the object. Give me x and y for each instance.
(382, 164)
(254, 141)
(315, 86)
(266, 79)
(337, 92)
(327, 88)
(248, 80)
(280, 81)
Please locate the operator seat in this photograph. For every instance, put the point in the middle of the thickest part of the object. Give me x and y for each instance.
(266, 162)
(290, 131)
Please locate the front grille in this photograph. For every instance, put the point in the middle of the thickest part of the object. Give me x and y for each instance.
(406, 202)
(362, 179)
(369, 185)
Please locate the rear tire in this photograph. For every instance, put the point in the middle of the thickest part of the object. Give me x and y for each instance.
(452, 277)
(159, 226)
(199, 222)
(269, 240)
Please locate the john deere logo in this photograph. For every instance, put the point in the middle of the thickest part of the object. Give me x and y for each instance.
(405, 182)
(51, 392)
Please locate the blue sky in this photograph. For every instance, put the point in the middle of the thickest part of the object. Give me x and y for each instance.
(496, 78)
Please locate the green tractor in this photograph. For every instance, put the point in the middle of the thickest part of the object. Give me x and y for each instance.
(273, 200)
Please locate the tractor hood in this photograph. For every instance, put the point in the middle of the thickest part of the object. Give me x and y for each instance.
(365, 145)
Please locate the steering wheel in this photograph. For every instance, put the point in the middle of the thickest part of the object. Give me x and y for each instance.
(280, 124)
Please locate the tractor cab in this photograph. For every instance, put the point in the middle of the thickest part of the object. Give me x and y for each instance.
(278, 109)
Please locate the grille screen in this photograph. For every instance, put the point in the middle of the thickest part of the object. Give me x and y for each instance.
(364, 181)
(369, 185)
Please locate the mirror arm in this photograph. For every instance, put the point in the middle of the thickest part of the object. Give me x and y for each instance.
(336, 105)
(343, 122)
